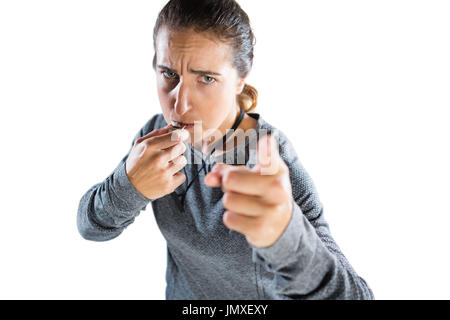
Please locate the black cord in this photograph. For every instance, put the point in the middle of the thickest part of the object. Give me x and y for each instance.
(224, 139)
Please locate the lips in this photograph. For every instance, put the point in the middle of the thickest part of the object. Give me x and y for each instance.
(181, 124)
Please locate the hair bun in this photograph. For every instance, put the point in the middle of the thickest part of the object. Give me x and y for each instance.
(248, 99)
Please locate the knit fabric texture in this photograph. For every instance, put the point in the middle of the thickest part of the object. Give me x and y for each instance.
(205, 259)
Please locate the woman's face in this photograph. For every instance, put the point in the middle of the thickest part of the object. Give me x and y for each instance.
(196, 81)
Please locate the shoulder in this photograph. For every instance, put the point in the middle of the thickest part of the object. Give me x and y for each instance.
(286, 148)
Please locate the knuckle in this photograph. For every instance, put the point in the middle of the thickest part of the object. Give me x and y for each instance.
(276, 185)
(159, 160)
(228, 178)
(183, 147)
(273, 208)
(165, 185)
(182, 180)
(228, 218)
(143, 146)
(179, 149)
(173, 152)
(226, 200)
(182, 160)
(166, 176)
(147, 143)
(152, 140)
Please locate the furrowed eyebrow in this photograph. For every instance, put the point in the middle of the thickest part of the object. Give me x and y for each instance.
(200, 72)
(166, 68)
(205, 73)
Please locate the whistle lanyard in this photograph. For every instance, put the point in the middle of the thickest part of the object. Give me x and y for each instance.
(224, 139)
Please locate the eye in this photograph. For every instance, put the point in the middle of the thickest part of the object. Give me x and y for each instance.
(170, 74)
(208, 80)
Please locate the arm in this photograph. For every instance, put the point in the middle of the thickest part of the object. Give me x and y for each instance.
(107, 208)
(306, 261)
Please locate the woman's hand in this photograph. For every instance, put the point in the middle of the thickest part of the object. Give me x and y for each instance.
(155, 160)
(259, 201)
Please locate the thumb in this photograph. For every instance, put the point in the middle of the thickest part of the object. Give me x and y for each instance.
(268, 157)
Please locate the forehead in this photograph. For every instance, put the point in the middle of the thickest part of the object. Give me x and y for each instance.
(186, 45)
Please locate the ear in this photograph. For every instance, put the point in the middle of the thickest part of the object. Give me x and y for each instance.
(240, 86)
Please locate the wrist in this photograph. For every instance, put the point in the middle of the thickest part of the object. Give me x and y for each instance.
(128, 196)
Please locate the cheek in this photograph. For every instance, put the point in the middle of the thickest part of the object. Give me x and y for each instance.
(215, 103)
(164, 97)
(165, 102)
(221, 95)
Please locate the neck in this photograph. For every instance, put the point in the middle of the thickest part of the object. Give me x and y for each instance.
(232, 117)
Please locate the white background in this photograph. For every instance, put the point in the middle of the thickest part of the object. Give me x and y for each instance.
(361, 88)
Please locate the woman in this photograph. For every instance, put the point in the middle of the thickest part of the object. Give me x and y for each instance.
(234, 229)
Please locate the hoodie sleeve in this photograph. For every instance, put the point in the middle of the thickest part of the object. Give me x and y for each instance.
(107, 208)
(306, 261)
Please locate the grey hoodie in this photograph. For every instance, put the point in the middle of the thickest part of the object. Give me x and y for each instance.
(205, 259)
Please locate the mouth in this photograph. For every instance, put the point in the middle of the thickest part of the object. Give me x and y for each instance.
(182, 125)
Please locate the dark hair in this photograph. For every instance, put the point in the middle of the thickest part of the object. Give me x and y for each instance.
(226, 20)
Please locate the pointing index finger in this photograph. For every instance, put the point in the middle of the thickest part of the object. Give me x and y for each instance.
(244, 180)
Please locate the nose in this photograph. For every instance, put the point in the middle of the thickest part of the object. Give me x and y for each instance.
(181, 99)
